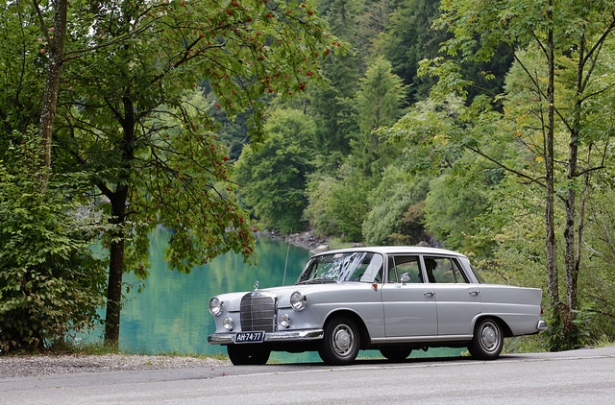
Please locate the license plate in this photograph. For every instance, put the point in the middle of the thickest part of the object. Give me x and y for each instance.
(249, 337)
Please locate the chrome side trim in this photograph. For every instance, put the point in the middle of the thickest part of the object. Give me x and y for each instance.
(285, 336)
(542, 325)
(419, 339)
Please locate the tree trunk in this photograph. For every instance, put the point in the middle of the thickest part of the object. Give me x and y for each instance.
(57, 41)
(116, 267)
(572, 255)
(119, 202)
(114, 287)
(552, 274)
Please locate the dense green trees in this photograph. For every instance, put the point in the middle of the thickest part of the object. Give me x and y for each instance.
(167, 164)
(482, 127)
(142, 83)
(499, 150)
(272, 177)
(341, 202)
(559, 93)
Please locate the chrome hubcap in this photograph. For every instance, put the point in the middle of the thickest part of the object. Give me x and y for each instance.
(489, 337)
(342, 340)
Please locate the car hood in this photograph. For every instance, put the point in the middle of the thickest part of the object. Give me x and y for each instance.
(232, 301)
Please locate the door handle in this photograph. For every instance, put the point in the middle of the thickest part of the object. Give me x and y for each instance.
(429, 293)
(475, 293)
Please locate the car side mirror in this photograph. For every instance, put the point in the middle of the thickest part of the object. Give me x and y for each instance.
(405, 278)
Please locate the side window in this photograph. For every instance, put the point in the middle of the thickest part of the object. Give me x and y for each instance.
(402, 264)
(443, 270)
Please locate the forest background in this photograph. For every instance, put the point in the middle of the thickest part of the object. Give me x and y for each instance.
(482, 128)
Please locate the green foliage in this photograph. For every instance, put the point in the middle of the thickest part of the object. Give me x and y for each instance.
(318, 213)
(185, 186)
(378, 104)
(450, 211)
(567, 337)
(348, 202)
(408, 39)
(596, 283)
(159, 99)
(127, 116)
(562, 76)
(130, 121)
(339, 206)
(273, 176)
(414, 36)
(397, 215)
(20, 74)
(332, 105)
(424, 135)
(51, 283)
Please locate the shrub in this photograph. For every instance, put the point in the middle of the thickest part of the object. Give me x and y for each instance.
(50, 282)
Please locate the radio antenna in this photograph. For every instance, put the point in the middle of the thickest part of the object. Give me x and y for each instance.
(286, 262)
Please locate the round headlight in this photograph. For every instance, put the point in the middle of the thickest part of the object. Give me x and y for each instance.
(215, 306)
(297, 301)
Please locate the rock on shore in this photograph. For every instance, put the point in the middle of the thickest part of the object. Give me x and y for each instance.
(304, 240)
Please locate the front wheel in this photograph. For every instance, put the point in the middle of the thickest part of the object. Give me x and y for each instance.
(341, 342)
(248, 354)
(487, 341)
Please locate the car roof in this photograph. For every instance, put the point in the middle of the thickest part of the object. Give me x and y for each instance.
(395, 250)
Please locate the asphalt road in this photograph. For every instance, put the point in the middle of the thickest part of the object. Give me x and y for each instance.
(576, 377)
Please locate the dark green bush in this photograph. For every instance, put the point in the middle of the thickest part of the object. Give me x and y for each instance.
(50, 283)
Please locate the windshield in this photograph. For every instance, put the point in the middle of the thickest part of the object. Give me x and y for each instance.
(347, 266)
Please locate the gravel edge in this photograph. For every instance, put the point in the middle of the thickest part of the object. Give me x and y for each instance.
(29, 366)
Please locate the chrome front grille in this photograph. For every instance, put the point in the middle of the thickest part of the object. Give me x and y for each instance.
(257, 312)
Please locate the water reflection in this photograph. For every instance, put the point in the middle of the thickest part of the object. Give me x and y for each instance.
(170, 315)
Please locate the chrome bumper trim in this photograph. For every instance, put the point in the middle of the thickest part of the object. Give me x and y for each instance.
(283, 336)
(542, 325)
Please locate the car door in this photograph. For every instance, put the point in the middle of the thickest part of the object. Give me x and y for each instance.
(408, 310)
(457, 301)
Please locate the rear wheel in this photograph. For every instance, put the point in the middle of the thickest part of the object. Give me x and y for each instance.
(395, 355)
(341, 342)
(488, 340)
(242, 355)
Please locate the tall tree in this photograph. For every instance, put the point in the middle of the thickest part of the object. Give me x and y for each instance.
(22, 62)
(273, 176)
(408, 38)
(378, 104)
(55, 36)
(332, 104)
(397, 216)
(568, 40)
(52, 284)
(126, 115)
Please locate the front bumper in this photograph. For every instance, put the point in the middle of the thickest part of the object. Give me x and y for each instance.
(282, 336)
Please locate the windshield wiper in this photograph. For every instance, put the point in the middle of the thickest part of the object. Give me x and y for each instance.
(318, 281)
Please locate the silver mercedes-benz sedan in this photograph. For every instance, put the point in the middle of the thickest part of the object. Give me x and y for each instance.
(395, 299)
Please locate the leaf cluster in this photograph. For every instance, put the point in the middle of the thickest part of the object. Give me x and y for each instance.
(51, 284)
